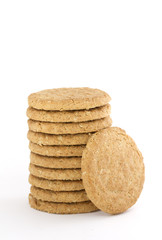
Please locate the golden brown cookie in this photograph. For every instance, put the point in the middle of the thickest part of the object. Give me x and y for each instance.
(55, 174)
(55, 162)
(62, 208)
(112, 170)
(69, 128)
(56, 185)
(69, 116)
(51, 196)
(52, 139)
(57, 151)
(68, 99)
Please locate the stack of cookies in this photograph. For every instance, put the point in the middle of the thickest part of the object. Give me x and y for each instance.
(60, 124)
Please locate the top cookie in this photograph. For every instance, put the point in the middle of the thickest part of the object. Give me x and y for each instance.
(112, 170)
(68, 99)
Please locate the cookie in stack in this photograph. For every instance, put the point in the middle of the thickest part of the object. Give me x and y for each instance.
(60, 124)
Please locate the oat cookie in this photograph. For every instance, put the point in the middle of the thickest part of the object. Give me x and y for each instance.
(62, 208)
(69, 116)
(53, 139)
(55, 162)
(52, 196)
(68, 99)
(55, 174)
(112, 170)
(56, 185)
(69, 128)
(57, 151)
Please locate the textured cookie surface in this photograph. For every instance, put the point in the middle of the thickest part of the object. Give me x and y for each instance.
(112, 170)
(69, 128)
(57, 151)
(55, 174)
(53, 139)
(62, 208)
(69, 116)
(68, 99)
(52, 196)
(55, 162)
(56, 185)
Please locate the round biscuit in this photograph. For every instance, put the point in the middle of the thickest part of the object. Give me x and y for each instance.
(62, 208)
(68, 99)
(69, 128)
(112, 170)
(53, 139)
(55, 174)
(69, 116)
(56, 185)
(57, 151)
(55, 162)
(52, 196)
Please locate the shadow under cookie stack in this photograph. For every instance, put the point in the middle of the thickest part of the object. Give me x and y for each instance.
(60, 124)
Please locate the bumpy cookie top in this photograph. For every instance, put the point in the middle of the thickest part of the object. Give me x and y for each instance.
(112, 170)
(68, 99)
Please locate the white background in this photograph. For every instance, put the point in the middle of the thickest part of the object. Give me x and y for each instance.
(112, 45)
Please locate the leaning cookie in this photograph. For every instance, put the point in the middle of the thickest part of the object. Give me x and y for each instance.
(112, 170)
